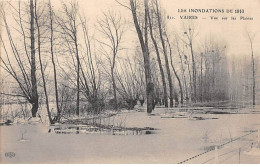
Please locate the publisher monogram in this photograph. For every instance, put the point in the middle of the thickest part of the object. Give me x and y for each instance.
(10, 154)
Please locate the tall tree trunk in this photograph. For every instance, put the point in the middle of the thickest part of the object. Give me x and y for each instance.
(40, 60)
(165, 53)
(78, 72)
(201, 89)
(165, 96)
(183, 74)
(253, 72)
(146, 56)
(253, 69)
(175, 72)
(190, 78)
(253, 66)
(34, 99)
(35, 107)
(194, 76)
(213, 78)
(114, 87)
(53, 63)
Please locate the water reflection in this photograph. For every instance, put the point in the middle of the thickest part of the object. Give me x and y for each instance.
(100, 130)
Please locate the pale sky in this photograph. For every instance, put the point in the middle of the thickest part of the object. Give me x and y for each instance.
(233, 32)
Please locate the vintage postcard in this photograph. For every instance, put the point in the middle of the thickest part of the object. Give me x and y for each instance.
(130, 81)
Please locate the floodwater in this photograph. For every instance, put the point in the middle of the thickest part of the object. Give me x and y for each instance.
(179, 135)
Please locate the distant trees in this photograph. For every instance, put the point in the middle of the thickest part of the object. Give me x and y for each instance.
(244, 75)
(180, 53)
(190, 33)
(213, 75)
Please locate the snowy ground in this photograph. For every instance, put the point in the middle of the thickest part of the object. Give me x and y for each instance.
(176, 140)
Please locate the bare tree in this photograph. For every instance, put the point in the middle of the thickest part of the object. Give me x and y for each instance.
(69, 25)
(201, 77)
(25, 77)
(161, 32)
(174, 70)
(190, 33)
(33, 69)
(129, 82)
(140, 75)
(143, 39)
(215, 71)
(112, 28)
(91, 74)
(51, 28)
(151, 26)
(39, 23)
(180, 53)
(251, 39)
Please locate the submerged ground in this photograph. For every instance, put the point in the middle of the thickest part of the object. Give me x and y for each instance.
(182, 134)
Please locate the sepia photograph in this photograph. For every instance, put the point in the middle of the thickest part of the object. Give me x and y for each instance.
(129, 82)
